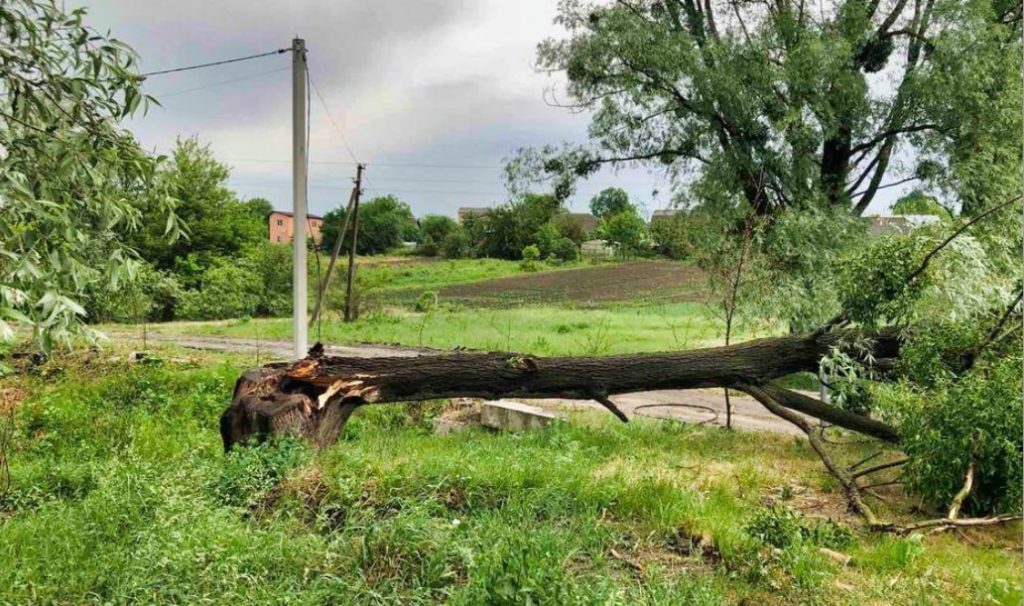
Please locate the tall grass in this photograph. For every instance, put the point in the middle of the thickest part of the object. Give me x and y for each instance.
(120, 494)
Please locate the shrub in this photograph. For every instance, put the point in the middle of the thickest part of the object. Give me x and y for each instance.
(531, 258)
(148, 294)
(272, 264)
(435, 228)
(427, 301)
(456, 244)
(565, 250)
(669, 237)
(227, 291)
(976, 418)
(626, 230)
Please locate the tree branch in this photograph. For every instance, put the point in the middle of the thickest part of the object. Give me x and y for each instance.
(927, 258)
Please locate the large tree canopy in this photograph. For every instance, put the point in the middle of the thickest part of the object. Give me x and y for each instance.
(787, 104)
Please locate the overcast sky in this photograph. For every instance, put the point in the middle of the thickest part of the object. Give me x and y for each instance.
(431, 94)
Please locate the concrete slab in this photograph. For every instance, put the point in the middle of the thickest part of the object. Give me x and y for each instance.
(505, 415)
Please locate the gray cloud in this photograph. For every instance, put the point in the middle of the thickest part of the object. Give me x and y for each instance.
(426, 82)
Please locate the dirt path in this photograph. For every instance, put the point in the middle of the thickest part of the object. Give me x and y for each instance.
(269, 350)
(704, 406)
(701, 405)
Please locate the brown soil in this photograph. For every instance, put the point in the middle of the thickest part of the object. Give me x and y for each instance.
(632, 281)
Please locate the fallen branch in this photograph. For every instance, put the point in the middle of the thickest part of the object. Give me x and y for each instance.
(946, 523)
(879, 467)
(958, 499)
(768, 399)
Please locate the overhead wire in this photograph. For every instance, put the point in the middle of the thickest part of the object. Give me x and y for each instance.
(221, 83)
(213, 63)
(388, 164)
(309, 225)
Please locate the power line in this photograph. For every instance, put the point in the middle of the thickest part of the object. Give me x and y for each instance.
(431, 191)
(214, 63)
(401, 180)
(330, 118)
(222, 83)
(385, 164)
(383, 189)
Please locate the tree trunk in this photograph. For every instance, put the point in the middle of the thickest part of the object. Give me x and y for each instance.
(315, 396)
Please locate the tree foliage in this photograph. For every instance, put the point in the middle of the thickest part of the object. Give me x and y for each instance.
(384, 223)
(919, 203)
(783, 106)
(626, 231)
(217, 224)
(72, 178)
(608, 202)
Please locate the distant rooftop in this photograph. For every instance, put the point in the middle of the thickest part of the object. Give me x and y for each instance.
(472, 211)
(665, 213)
(901, 224)
(289, 213)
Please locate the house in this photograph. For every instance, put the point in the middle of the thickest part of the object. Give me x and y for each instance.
(898, 224)
(280, 227)
(597, 249)
(586, 221)
(466, 212)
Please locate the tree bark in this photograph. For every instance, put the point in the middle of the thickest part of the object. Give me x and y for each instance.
(315, 396)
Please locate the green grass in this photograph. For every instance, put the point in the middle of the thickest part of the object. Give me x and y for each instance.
(120, 494)
(612, 329)
(376, 276)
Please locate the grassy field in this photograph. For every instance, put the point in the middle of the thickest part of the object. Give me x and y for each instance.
(487, 304)
(539, 330)
(376, 274)
(120, 493)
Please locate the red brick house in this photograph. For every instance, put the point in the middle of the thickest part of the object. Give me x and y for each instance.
(281, 226)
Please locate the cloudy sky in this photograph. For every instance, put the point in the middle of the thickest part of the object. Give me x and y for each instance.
(431, 94)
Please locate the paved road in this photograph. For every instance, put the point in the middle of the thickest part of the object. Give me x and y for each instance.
(702, 405)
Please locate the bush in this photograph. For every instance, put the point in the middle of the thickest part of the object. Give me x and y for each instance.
(565, 250)
(427, 301)
(456, 244)
(976, 418)
(546, 239)
(435, 228)
(669, 237)
(427, 248)
(227, 291)
(531, 258)
(149, 294)
(626, 230)
(272, 264)
(572, 227)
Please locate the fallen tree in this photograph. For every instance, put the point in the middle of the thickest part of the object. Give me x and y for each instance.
(315, 396)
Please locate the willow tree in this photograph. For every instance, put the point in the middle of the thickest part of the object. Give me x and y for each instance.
(787, 103)
(71, 179)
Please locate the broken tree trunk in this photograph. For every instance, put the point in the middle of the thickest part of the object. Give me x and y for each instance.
(315, 396)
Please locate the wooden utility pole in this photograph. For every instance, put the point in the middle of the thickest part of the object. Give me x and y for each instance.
(349, 310)
(299, 305)
(322, 291)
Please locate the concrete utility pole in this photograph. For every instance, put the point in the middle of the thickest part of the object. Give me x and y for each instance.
(300, 338)
(349, 310)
